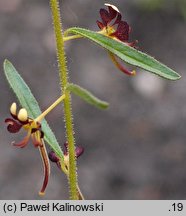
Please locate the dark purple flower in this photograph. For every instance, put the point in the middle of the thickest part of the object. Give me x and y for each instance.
(54, 158)
(79, 150)
(33, 128)
(113, 26)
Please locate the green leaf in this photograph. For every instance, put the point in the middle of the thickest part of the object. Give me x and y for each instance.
(127, 53)
(28, 101)
(86, 96)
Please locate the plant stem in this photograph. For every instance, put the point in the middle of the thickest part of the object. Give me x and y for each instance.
(63, 73)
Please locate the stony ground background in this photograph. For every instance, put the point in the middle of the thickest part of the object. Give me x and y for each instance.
(134, 150)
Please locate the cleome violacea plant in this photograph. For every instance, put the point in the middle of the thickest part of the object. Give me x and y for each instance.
(113, 36)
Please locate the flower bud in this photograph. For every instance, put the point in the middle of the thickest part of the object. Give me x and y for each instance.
(79, 151)
(22, 115)
(53, 157)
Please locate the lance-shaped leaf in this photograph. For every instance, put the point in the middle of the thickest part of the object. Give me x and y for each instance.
(28, 101)
(127, 53)
(86, 96)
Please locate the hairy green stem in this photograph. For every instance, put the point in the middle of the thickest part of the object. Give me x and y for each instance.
(63, 73)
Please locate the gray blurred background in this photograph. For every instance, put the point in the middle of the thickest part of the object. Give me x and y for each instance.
(134, 150)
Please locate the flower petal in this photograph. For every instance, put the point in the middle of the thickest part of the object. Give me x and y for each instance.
(105, 16)
(118, 19)
(100, 24)
(53, 157)
(23, 143)
(79, 151)
(13, 126)
(112, 11)
(122, 32)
